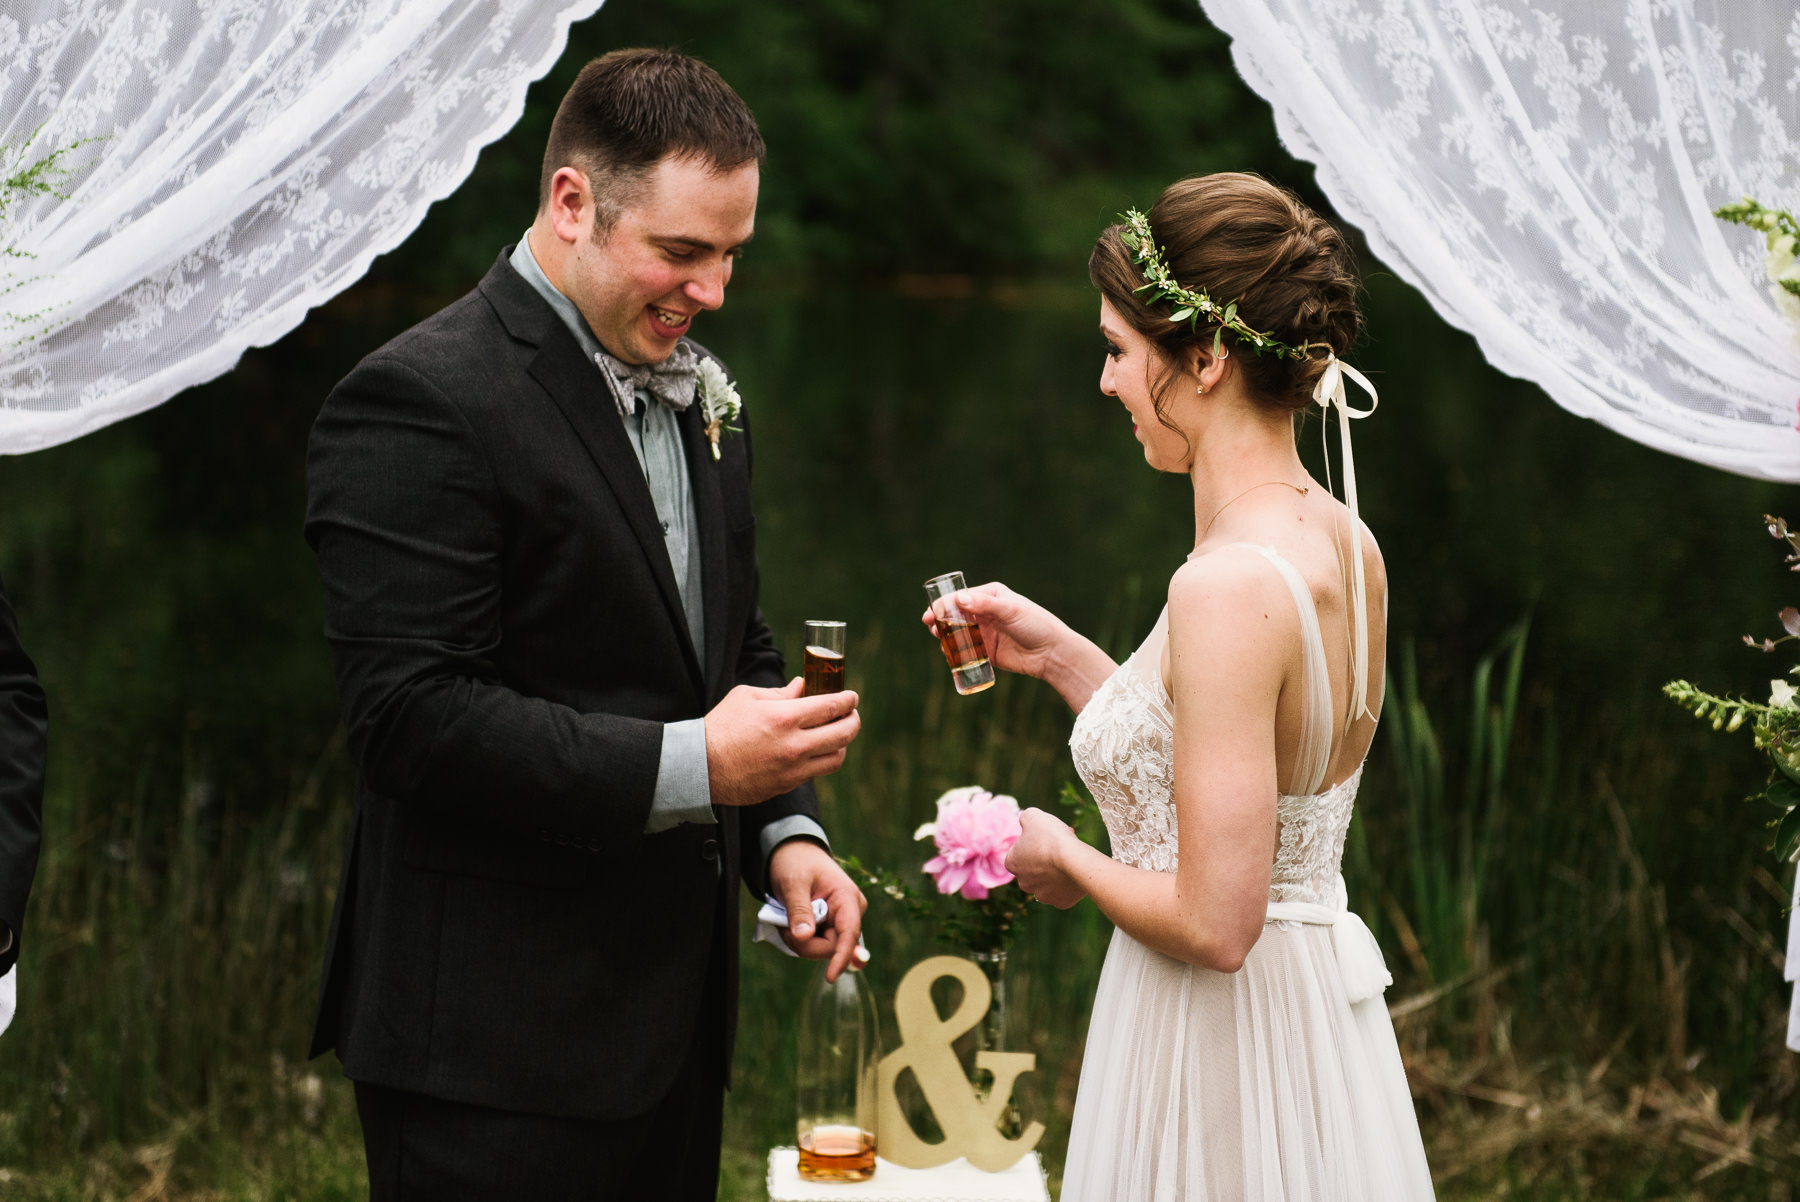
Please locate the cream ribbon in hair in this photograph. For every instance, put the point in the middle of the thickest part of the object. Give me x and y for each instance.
(1330, 393)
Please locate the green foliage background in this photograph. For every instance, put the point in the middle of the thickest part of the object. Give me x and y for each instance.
(932, 136)
(1554, 857)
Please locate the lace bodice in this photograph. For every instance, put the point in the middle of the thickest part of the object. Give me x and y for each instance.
(1124, 748)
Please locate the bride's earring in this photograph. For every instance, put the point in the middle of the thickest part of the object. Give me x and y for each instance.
(1201, 391)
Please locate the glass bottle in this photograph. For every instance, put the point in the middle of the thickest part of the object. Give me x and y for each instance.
(840, 1045)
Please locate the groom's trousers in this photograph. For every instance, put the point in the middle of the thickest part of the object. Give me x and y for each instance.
(425, 1149)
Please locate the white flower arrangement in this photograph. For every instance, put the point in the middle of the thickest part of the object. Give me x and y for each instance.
(1782, 234)
(719, 401)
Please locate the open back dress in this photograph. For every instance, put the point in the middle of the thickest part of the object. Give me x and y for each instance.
(1283, 1080)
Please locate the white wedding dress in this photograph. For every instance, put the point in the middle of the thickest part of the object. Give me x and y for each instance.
(1264, 1084)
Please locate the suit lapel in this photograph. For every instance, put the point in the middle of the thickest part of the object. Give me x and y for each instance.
(709, 511)
(575, 385)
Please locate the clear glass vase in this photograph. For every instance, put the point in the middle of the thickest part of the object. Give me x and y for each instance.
(840, 1047)
(996, 1032)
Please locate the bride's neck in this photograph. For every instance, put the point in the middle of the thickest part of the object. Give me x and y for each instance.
(1235, 453)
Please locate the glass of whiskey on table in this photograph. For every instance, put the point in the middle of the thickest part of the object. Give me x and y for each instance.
(959, 636)
(823, 668)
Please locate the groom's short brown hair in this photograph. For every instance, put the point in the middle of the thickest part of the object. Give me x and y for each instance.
(629, 110)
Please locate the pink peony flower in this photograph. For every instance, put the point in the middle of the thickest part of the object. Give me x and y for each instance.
(973, 832)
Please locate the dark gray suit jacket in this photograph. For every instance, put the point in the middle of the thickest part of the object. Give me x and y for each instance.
(509, 642)
(24, 722)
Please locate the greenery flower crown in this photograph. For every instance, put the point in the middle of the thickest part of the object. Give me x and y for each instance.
(1191, 304)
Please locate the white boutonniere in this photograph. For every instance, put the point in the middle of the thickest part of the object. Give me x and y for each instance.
(719, 401)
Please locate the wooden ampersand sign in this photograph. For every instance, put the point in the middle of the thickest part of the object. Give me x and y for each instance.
(968, 1122)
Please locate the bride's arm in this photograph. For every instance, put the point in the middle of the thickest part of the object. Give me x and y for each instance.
(1232, 641)
(1024, 637)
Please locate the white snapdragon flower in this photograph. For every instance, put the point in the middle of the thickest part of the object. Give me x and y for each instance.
(1782, 694)
(1783, 268)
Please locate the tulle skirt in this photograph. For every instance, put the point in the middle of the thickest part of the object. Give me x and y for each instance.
(1261, 1085)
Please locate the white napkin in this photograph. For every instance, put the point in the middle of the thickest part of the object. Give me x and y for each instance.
(772, 919)
(9, 997)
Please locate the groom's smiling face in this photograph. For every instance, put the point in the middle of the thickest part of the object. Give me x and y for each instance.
(667, 255)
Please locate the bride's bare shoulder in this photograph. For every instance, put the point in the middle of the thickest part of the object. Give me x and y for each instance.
(1220, 589)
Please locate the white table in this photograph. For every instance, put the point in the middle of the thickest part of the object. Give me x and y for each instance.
(958, 1181)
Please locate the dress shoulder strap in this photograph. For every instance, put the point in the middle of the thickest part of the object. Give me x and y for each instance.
(1313, 759)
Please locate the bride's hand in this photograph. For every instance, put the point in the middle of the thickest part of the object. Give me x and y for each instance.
(1020, 634)
(1036, 860)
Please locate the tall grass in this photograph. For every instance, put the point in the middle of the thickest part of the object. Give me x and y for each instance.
(1577, 914)
(167, 991)
(1588, 991)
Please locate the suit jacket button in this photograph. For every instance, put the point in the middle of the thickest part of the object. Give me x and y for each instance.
(709, 850)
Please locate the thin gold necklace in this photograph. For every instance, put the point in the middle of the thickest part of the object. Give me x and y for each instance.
(1302, 489)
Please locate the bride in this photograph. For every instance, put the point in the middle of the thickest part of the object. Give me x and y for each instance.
(1239, 1046)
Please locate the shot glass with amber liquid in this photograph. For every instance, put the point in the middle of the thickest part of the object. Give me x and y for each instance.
(823, 669)
(959, 636)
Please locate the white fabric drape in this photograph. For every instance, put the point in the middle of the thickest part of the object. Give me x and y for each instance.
(1791, 969)
(255, 156)
(1545, 172)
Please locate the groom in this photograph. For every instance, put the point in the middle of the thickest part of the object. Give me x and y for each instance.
(570, 718)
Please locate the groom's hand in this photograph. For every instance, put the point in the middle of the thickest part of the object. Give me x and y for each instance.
(762, 742)
(801, 870)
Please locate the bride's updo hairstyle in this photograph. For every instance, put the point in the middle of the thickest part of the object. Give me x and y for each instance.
(1239, 237)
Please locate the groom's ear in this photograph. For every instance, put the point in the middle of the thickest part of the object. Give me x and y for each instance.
(570, 204)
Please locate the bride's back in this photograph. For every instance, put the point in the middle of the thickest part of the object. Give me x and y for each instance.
(1312, 534)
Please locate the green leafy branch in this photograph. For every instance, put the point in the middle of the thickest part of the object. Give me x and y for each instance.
(23, 176)
(1775, 725)
(1777, 733)
(987, 925)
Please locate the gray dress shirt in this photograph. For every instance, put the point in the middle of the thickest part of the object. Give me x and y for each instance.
(683, 787)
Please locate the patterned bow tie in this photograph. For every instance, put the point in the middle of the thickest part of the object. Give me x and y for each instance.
(670, 382)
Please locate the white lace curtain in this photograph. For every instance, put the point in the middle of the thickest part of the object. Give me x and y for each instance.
(1546, 173)
(253, 157)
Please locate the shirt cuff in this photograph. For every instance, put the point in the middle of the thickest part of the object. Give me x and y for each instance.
(794, 826)
(683, 787)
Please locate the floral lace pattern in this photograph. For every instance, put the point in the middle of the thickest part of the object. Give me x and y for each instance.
(1123, 745)
(1124, 749)
(1310, 853)
(1545, 171)
(248, 160)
